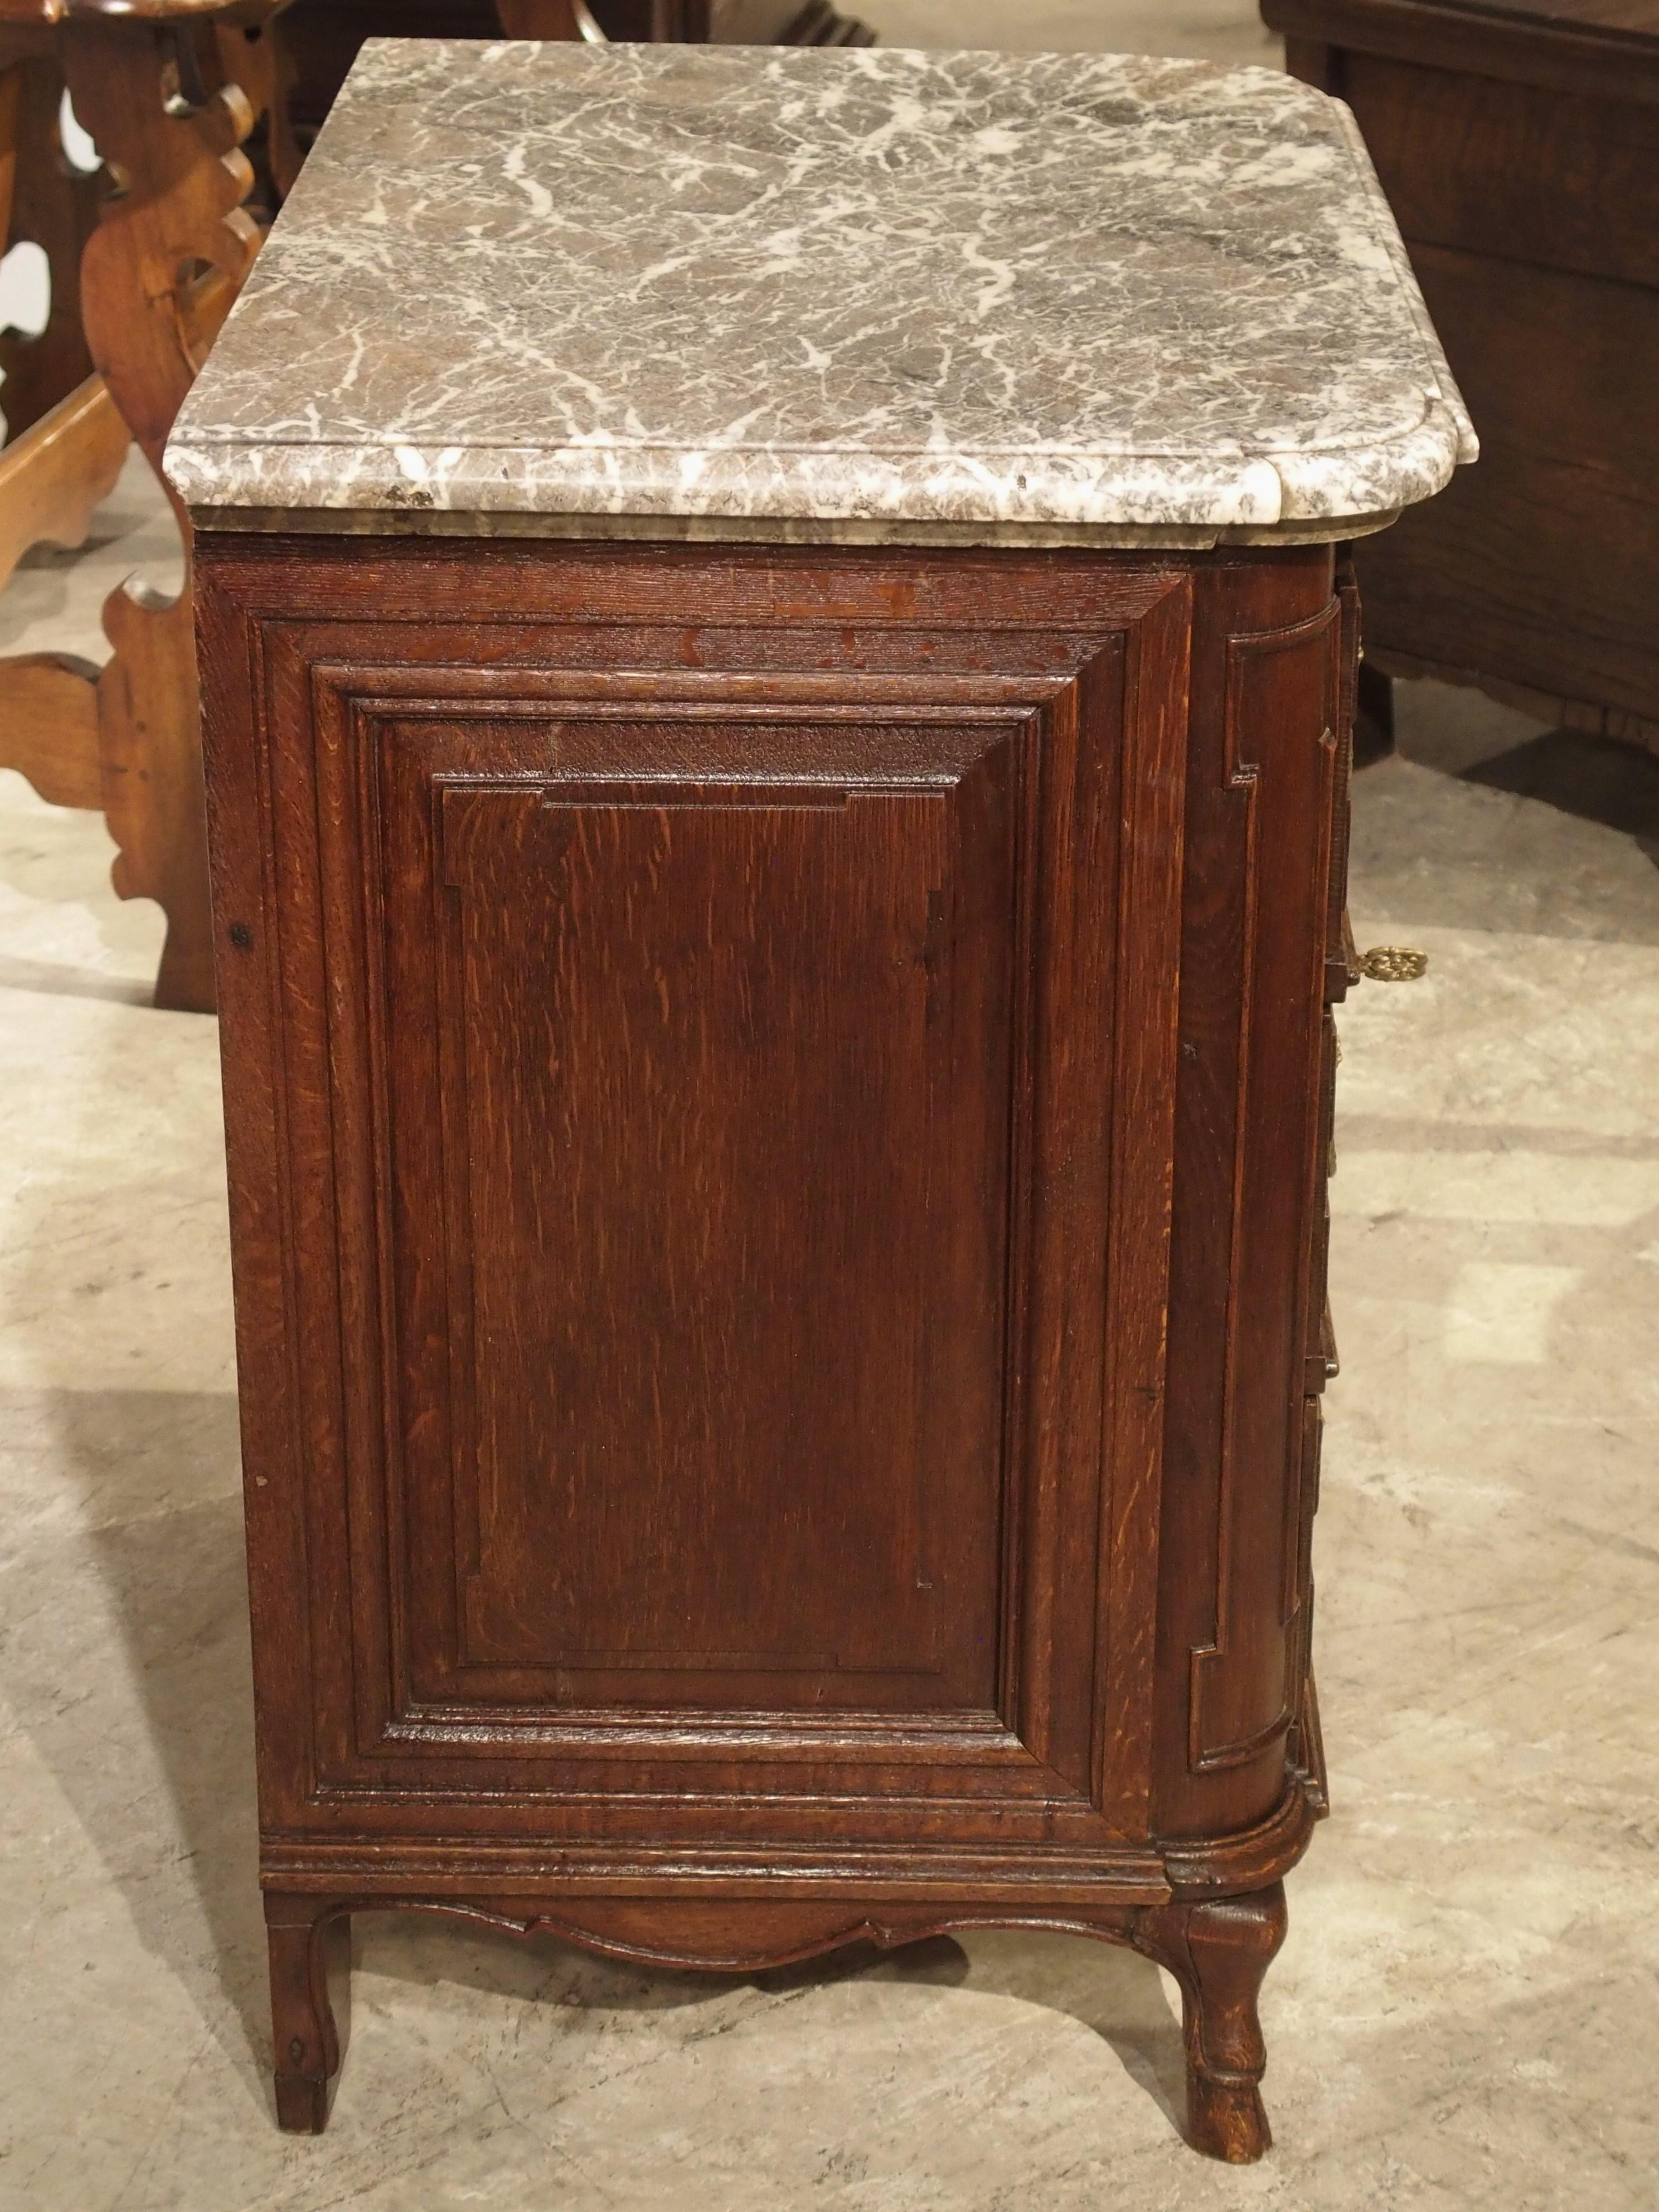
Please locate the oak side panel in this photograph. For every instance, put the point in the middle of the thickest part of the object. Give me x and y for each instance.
(1066, 672)
(714, 1135)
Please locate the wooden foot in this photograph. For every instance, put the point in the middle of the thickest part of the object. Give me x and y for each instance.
(1219, 1951)
(310, 2005)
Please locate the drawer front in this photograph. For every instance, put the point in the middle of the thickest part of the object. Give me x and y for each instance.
(703, 1291)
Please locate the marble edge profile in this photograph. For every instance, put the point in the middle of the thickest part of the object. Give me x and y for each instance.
(665, 484)
(1393, 244)
(820, 492)
(718, 530)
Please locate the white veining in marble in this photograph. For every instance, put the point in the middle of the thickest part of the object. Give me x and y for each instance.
(862, 289)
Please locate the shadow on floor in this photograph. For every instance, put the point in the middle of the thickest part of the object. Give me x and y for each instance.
(53, 981)
(1116, 1994)
(154, 1755)
(1595, 779)
(126, 1662)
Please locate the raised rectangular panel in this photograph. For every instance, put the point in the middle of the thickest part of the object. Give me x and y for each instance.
(723, 1071)
(727, 1093)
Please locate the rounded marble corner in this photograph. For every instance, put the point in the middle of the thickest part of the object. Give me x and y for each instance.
(185, 475)
(1389, 476)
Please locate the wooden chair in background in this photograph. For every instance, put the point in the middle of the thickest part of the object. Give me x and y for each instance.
(169, 90)
(145, 259)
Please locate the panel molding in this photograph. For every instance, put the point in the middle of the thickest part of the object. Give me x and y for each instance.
(1215, 1745)
(704, 788)
(398, 1743)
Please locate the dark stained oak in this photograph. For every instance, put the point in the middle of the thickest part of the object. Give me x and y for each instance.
(778, 1105)
(1519, 148)
(1595, 46)
(1218, 1951)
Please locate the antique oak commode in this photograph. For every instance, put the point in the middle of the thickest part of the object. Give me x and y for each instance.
(776, 695)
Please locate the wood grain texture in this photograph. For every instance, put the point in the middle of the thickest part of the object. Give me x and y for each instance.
(1626, 18)
(1220, 1952)
(1539, 568)
(717, 1069)
(158, 277)
(658, 1072)
(1606, 52)
(49, 726)
(11, 108)
(1244, 1687)
(175, 223)
(1520, 173)
(150, 750)
(56, 475)
(1262, 930)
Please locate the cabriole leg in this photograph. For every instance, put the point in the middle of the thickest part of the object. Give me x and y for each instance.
(310, 2005)
(1219, 1951)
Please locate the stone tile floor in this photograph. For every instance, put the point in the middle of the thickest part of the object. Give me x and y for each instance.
(1466, 2011)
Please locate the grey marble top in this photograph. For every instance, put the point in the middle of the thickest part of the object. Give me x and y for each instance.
(775, 291)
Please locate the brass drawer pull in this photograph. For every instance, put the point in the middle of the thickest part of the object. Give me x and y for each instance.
(1394, 963)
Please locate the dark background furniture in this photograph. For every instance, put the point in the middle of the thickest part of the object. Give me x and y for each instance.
(1519, 147)
(320, 38)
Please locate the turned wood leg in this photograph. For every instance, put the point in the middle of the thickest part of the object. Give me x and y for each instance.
(1219, 1951)
(310, 2005)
